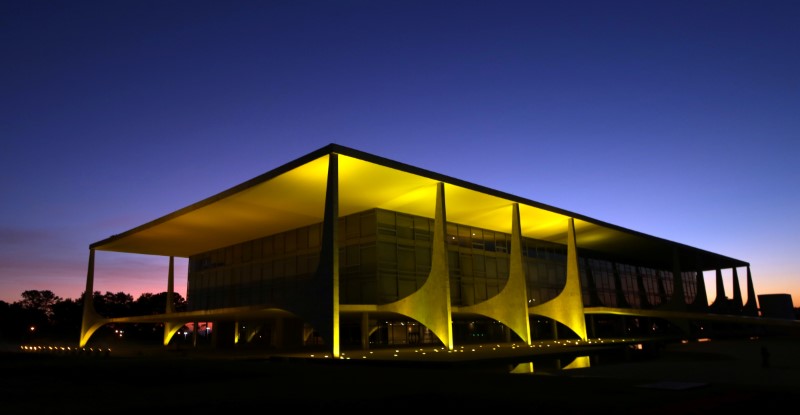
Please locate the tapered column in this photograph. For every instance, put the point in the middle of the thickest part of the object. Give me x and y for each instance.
(316, 299)
(720, 302)
(170, 327)
(441, 283)
(720, 287)
(88, 294)
(751, 308)
(678, 300)
(701, 301)
(737, 294)
(567, 307)
(332, 215)
(91, 320)
(327, 278)
(510, 305)
(430, 304)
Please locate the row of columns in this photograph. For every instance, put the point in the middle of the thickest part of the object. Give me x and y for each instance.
(318, 300)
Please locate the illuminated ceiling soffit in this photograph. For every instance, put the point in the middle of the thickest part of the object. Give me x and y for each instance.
(290, 200)
(365, 185)
(296, 198)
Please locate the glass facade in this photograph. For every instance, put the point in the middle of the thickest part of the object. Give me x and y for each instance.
(253, 273)
(478, 261)
(629, 282)
(602, 274)
(385, 256)
(689, 286)
(653, 286)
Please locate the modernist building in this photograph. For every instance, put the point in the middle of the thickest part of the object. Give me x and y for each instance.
(341, 248)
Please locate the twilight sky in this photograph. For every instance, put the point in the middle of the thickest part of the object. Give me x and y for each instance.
(679, 119)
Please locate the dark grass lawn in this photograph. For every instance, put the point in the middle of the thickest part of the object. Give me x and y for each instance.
(35, 383)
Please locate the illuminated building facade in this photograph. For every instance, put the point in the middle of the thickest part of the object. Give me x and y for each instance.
(341, 248)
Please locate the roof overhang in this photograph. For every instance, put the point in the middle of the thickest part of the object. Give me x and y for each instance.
(293, 196)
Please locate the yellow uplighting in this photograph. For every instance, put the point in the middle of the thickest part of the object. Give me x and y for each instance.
(579, 362)
(294, 196)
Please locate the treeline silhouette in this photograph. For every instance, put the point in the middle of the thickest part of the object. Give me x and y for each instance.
(43, 317)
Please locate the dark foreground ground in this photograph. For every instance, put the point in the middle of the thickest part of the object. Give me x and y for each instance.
(693, 378)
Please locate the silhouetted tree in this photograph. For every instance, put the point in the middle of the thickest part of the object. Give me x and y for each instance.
(113, 304)
(39, 300)
(148, 303)
(41, 316)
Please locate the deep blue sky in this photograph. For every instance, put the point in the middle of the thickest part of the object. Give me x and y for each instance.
(679, 119)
